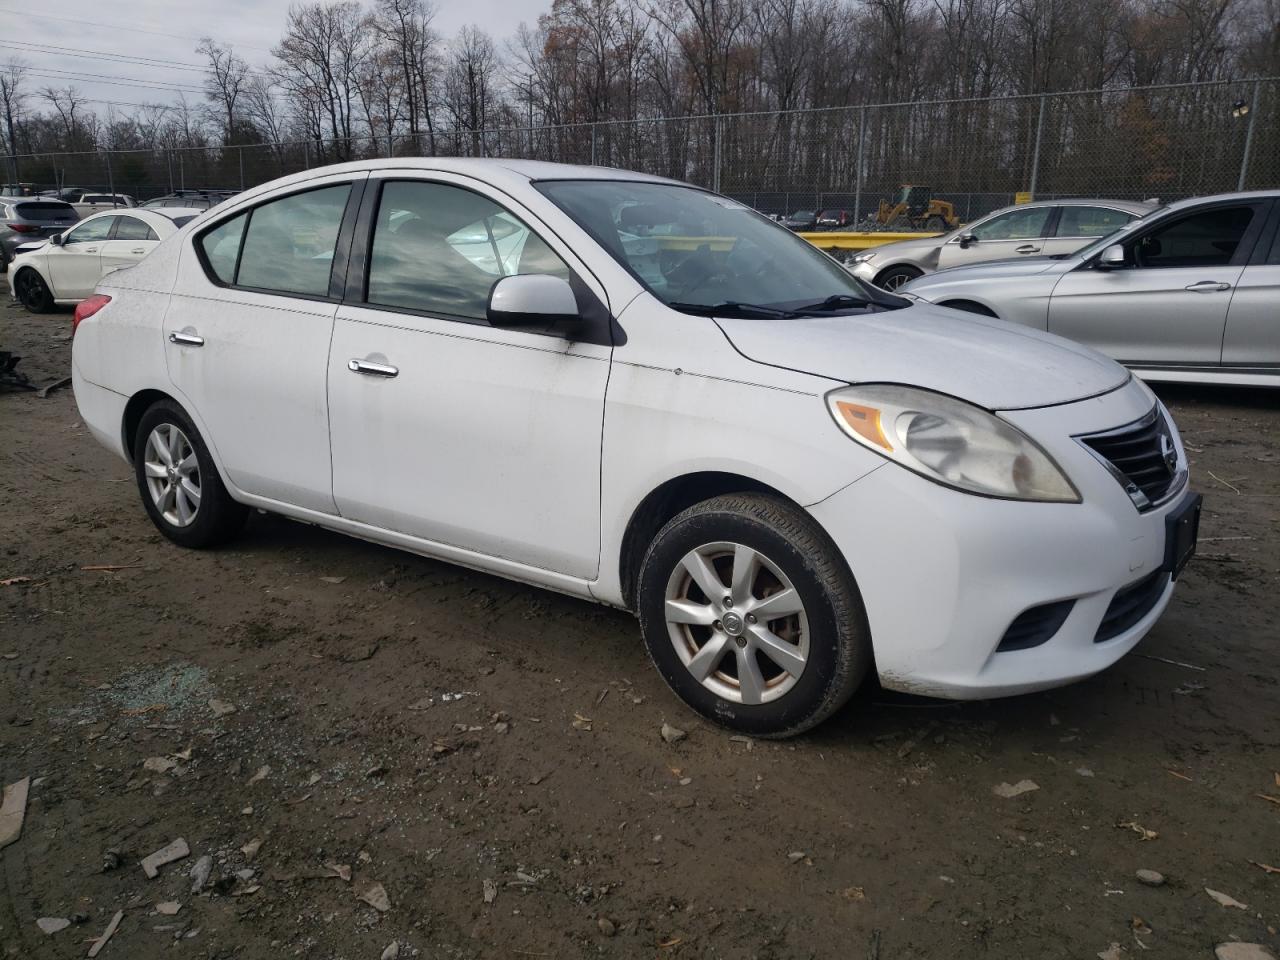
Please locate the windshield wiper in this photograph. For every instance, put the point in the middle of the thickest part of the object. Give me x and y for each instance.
(837, 301)
(732, 307)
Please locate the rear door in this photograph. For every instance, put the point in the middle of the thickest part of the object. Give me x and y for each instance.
(1008, 235)
(1167, 306)
(1078, 224)
(1252, 337)
(247, 338)
(131, 240)
(76, 265)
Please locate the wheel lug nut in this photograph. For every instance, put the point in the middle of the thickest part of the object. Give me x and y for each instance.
(728, 601)
(718, 625)
(751, 618)
(740, 641)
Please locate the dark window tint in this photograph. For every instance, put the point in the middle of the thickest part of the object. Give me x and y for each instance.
(98, 198)
(1206, 239)
(1014, 225)
(222, 248)
(97, 229)
(183, 220)
(45, 211)
(290, 242)
(131, 228)
(440, 248)
(1091, 221)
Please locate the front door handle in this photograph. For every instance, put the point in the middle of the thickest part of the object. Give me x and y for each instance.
(371, 369)
(1026, 248)
(1207, 286)
(186, 339)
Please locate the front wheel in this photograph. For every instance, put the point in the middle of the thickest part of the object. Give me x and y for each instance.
(32, 291)
(895, 277)
(751, 615)
(179, 483)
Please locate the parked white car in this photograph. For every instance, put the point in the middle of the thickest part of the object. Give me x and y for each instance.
(89, 202)
(791, 476)
(65, 268)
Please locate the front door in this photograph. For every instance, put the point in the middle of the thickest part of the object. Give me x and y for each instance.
(1012, 234)
(247, 340)
(1168, 303)
(76, 266)
(443, 427)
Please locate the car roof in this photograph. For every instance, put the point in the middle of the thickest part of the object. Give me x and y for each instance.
(1220, 197)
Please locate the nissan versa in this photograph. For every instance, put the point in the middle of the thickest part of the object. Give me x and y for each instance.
(638, 392)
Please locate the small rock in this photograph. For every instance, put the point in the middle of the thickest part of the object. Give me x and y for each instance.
(221, 708)
(263, 772)
(200, 871)
(1084, 771)
(174, 851)
(490, 891)
(672, 734)
(1151, 878)
(340, 870)
(375, 895)
(392, 951)
(358, 654)
(250, 849)
(1009, 790)
(1243, 951)
(245, 875)
(51, 925)
(607, 926)
(795, 856)
(1113, 952)
(168, 908)
(158, 764)
(111, 860)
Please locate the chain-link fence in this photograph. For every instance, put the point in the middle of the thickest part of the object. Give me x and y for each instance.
(1165, 141)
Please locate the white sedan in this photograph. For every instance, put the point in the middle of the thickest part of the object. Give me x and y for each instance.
(65, 268)
(792, 477)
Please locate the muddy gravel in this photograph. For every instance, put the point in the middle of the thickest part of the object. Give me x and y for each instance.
(366, 754)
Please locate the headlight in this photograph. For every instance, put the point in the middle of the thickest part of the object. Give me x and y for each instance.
(863, 257)
(949, 441)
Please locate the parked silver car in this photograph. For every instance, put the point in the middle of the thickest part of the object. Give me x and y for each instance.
(1189, 294)
(1045, 228)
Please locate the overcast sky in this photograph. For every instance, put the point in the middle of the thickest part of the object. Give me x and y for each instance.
(168, 30)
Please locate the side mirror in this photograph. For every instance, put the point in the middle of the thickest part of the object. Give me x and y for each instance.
(533, 299)
(56, 239)
(1112, 256)
(966, 239)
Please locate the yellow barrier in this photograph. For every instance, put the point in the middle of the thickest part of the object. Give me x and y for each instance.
(859, 241)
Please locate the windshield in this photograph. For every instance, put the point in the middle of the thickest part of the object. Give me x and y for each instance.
(696, 251)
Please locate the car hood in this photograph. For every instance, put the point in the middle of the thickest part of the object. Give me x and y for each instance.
(997, 269)
(994, 364)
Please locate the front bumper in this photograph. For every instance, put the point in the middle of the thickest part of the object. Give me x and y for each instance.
(863, 271)
(943, 574)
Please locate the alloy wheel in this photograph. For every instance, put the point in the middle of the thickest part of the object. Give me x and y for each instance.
(173, 474)
(737, 623)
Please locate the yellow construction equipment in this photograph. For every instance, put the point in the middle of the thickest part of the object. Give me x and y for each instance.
(917, 207)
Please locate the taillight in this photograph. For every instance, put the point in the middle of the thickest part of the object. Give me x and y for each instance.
(87, 308)
(21, 227)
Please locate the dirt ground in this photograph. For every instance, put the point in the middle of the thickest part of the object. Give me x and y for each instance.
(490, 754)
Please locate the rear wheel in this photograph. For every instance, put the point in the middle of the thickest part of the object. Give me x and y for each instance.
(894, 277)
(32, 291)
(751, 616)
(180, 486)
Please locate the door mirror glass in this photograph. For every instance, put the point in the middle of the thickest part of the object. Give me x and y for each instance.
(531, 299)
(1112, 256)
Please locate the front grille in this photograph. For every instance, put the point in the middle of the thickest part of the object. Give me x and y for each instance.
(1035, 626)
(1130, 605)
(1141, 456)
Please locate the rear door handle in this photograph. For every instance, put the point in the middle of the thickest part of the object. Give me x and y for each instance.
(371, 369)
(1207, 286)
(186, 339)
(1026, 248)
(138, 251)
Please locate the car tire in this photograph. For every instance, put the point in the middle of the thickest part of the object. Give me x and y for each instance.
(32, 292)
(894, 277)
(800, 666)
(179, 482)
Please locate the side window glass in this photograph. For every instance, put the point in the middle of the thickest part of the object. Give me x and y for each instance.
(131, 228)
(92, 230)
(289, 243)
(1206, 239)
(1014, 225)
(222, 247)
(440, 248)
(1090, 221)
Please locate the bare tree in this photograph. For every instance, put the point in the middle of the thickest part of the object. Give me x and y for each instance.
(225, 82)
(12, 99)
